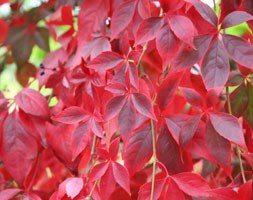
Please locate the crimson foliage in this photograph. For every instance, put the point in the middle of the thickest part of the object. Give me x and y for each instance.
(154, 101)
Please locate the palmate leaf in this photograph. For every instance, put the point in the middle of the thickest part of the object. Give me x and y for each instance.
(192, 184)
(183, 28)
(167, 90)
(188, 130)
(122, 17)
(32, 102)
(218, 147)
(71, 115)
(235, 18)
(121, 176)
(138, 149)
(105, 61)
(186, 57)
(143, 105)
(215, 65)
(97, 141)
(148, 29)
(167, 44)
(18, 157)
(205, 11)
(239, 49)
(175, 160)
(114, 106)
(228, 127)
(145, 190)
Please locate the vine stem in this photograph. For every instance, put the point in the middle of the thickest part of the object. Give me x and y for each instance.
(236, 145)
(214, 5)
(155, 160)
(145, 46)
(89, 197)
(93, 148)
(154, 155)
(108, 136)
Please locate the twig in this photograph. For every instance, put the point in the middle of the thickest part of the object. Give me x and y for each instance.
(140, 58)
(89, 197)
(154, 156)
(214, 5)
(155, 160)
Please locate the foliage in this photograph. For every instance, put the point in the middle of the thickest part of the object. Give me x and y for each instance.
(149, 100)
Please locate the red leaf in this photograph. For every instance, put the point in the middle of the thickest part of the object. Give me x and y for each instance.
(89, 20)
(9, 193)
(143, 105)
(114, 106)
(167, 90)
(101, 45)
(71, 115)
(133, 74)
(226, 194)
(119, 192)
(4, 30)
(167, 44)
(192, 184)
(235, 18)
(114, 149)
(74, 187)
(218, 147)
(138, 149)
(193, 97)
(169, 153)
(188, 130)
(122, 16)
(126, 123)
(107, 183)
(148, 29)
(145, 190)
(144, 8)
(239, 49)
(80, 139)
(106, 60)
(186, 58)
(183, 29)
(85, 159)
(175, 123)
(59, 139)
(32, 102)
(17, 155)
(228, 127)
(215, 66)
(205, 11)
(173, 191)
(121, 176)
(98, 171)
(246, 191)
